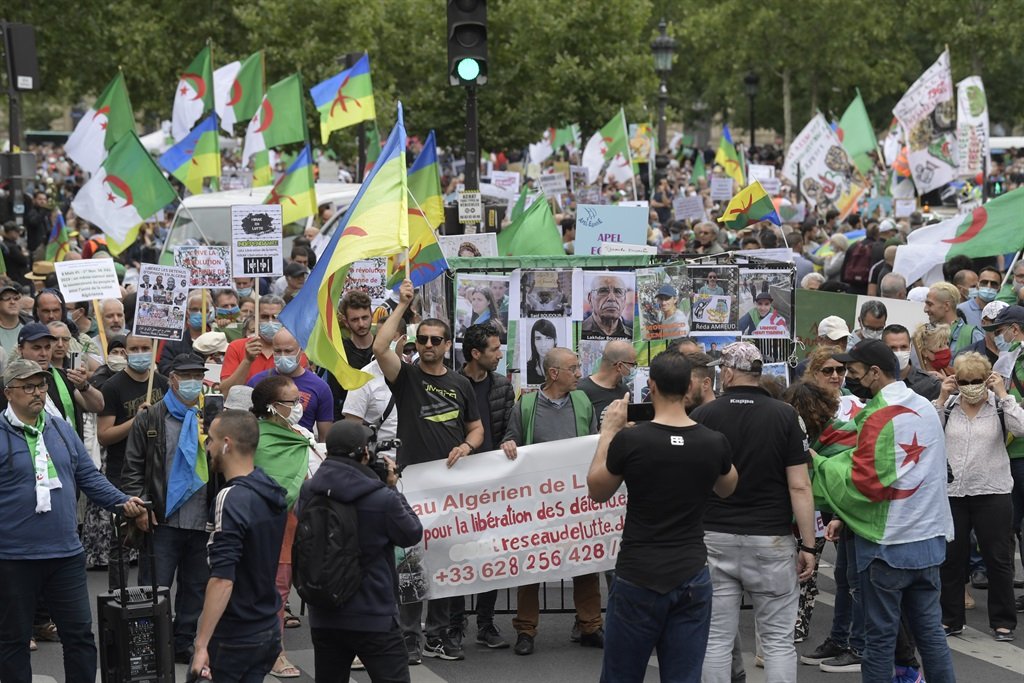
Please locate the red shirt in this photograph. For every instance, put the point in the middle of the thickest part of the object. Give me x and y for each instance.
(236, 354)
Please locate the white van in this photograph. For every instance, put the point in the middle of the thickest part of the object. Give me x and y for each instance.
(206, 218)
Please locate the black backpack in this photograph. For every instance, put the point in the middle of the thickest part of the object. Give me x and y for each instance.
(857, 264)
(326, 561)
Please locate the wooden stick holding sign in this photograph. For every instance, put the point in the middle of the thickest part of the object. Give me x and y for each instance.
(161, 309)
(149, 381)
(98, 312)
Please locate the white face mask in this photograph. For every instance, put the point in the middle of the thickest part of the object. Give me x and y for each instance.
(866, 333)
(294, 416)
(904, 358)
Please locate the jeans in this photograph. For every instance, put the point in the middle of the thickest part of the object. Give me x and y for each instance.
(586, 597)
(62, 580)
(990, 516)
(764, 567)
(180, 552)
(641, 620)
(383, 655)
(842, 615)
(246, 660)
(887, 591)
(856, 640)
(1017, 470)
(438, 619)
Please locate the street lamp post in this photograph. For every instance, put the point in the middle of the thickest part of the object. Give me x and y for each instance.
(663, 46)
(751, 82)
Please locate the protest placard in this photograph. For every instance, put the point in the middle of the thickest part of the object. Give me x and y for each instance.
(721, 188)
(605, 223)
(902, 208)
(823, 168)
(209, 267)
(492, 523)
(688, 208)
(616, 249)
(257, 233)
(578, 178)
(506, 180)
(663, 302)
(478, 244)
(162, 302)
(772, 186)
(552, 184)
(370, 276)
(87, 279)
(471, 206)
(760, 172)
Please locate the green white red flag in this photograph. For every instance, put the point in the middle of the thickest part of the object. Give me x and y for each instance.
(108, 120)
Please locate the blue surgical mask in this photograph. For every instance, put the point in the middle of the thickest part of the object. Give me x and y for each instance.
(227, 312)
(140, 362)
(286, 365)
(972, 292)
(189, 389)
(987, 294)
(244, 291)
(195, 320)
(268, 330)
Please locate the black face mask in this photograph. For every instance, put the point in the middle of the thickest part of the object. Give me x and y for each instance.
(857, 389)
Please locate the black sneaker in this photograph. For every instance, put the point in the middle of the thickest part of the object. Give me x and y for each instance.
(595, 639)
(574, 635)
(524, 644)
(412, 646)
(491, 637)
(826, 650)
(443, 648)
(979, 579)
(845, 663)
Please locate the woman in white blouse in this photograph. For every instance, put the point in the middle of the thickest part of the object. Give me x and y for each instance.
(969, 407)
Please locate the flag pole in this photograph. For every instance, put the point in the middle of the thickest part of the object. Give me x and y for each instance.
(149, 383)
(629, 155)
(99, 324)
(1009, 271)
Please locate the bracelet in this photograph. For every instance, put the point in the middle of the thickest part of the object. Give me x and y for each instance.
(805, 549)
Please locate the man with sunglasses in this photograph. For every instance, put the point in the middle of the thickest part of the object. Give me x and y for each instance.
(437, 420)
(608, 297)
(11, 320)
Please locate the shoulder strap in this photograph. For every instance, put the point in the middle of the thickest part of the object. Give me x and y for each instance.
(1002, 420)
(584, 411)
(527, 409)
(387, 411)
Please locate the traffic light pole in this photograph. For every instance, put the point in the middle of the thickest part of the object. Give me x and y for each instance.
(472, 170)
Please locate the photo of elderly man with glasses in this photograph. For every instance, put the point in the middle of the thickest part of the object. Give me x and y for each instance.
(608, 307)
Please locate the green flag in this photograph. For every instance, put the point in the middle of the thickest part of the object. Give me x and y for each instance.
(534, 233)
(857, 135)
(698, 168)
(615, 137)
(520, 205)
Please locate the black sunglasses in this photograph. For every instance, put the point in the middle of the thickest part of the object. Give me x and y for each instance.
(969, 382)
(435, 340)
(833, 370)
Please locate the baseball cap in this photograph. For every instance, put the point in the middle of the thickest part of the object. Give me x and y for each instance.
(34, 331)
(991, 311)
(21, 368)
(870, 352)
(347, 436)
(210, 342)
(764, 294)
(239, 398)
(833, 327)
(742, 356)
(887, 225)
(1010, 314)
(9, 287)
(118, 341)
(918, 294)
(295, 270)
(666, 290)
(184, 362)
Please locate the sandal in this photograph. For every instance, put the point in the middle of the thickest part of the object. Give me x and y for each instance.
(290, 620)
(284, 669)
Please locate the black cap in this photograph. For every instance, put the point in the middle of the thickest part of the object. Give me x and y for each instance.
(9, 286)
(118, 341)
(871, 352)
(295, 270)
(184, 362)
(347, 436)
(34, 331)
(1010, 314)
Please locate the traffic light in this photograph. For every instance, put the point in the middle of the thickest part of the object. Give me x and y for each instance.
(467, 42)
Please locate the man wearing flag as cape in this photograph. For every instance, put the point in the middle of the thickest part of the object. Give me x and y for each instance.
(890, 491)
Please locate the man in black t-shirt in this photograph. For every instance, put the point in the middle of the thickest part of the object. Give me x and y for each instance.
(613, 377)
(670, 466)
(749, 536)
(437, 420)
(355, 310)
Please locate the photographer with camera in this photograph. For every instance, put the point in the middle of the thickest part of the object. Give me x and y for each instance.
(366, 624)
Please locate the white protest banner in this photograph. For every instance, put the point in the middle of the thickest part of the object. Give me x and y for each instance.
(87, 279)
(688, 208)
(721, 188)
(371, 277)
(902, 208)
(772, 186)
(492, 523)
(927, 114)
(614, 249)
(552, 184)
(257, 233)
(760, 172)
(779, 254)
(637, 202)
(578, 178)
(161, 306)
(471, 206)
(606, 223)
(209, 267)
(826, 171)
(971, 127)
(506, 180)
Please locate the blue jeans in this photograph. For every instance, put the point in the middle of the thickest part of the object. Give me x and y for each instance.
(62, 581)
(181, 552)
(886, 591)
(856, 640)
(640, 620)
(843, 610)
(246, 660)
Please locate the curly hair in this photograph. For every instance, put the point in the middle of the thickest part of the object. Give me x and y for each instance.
(817, 358)
(814, 405)
(266, 392)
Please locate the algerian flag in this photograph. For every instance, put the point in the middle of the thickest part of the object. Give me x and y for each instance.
(534, 233)
(891, 487)
(280, 119)
(989, 230)
(615, 137)
(127, 189)
(857, 134)
(238, 90)
(569, 136)
(593, 157)
(619, 170)
(193, 96)
(108, 120)
(541, 151)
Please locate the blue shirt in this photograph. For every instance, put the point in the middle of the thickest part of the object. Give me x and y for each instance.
(914, 555)
(971, 311)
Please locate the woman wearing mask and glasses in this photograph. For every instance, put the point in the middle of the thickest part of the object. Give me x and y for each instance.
(288, 453)
(978, 414)
(828, 374)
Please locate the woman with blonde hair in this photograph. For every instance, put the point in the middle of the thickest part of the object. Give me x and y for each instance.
(828, 374)
(977, 413)
(931, 345)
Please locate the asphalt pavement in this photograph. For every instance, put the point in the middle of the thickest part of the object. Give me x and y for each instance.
(976, 656)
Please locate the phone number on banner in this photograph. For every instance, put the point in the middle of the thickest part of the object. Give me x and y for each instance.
(536, 562)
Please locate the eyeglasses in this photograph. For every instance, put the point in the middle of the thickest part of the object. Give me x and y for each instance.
(969, 382)
(605, 291)
(629, 364)
(434, 339)
(292, 403)
(989, 283)
(571, 368)
(32, 388)
(9, 299)
(833, 370)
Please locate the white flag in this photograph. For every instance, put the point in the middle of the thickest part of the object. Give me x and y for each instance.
(223, 81)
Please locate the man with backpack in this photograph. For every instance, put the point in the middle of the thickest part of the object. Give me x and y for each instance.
(558, 411)
(857, 264)
(350, 583)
